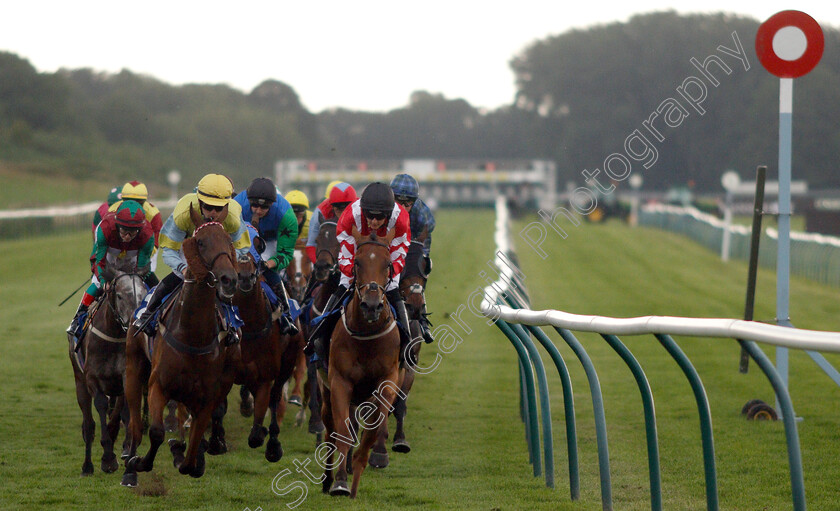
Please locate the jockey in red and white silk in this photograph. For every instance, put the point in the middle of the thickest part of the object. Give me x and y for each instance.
(398, 221)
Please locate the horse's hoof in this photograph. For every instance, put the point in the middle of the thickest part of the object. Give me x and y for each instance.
(295, 400)
(340, 489)
(257, 436)
(319, 438)
(129, 480)
(273, 451)
(316, 427)
(87, 468)
(110, 464)
(170, 423)
(177, 448)
(217, 446)
(401, 446)
(378, 459)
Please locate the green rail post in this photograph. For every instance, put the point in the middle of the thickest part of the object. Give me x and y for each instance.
(533, 422)
(650, 418)
(598, 412)
(705, 418)
(797, 482)
(545, 403)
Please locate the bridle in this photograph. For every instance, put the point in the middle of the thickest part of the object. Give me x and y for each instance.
(211, 278)
(111, 285)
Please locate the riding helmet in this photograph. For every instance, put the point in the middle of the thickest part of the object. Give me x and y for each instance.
(135, 190)
(377, 198)
(130, 214)
(262, 191)
(298, 198)
(342, 193)
(404, 184)
(330, 187)
(215, 190)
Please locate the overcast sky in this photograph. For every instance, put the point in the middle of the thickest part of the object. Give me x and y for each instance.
(361, 55)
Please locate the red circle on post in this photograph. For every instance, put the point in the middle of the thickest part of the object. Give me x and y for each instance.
(789, 68)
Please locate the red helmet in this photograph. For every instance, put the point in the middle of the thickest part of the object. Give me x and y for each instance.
(342, 193)
(130, 215)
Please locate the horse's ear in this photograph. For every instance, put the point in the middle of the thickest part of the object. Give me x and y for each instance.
(196, 217)
(190, 247)
(224, 213)
(356, 234)
(109, 273)
(389, 237)
(423, 235)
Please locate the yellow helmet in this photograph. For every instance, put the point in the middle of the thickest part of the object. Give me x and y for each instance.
(135, 190)
(297, 198)
(330, 187)
(215, 189)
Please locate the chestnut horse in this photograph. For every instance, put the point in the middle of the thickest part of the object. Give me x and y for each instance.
(103, 352)
(364, 365)
(191, 362)
(298, 271)
(268, 357)
(412, 285)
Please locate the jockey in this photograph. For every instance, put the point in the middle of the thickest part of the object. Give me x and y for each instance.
(122, 234)
(300, 205)
(211, 200)
(339, 197)
(407, 194)
(271, 214)
(136, 191)
(102, 210)
(376, 212)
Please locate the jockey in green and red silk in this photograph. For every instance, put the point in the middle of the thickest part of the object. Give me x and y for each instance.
(375, 212)
(422, 221)
(136, 191)
(122, 236)
(271, 214)
(340, 195)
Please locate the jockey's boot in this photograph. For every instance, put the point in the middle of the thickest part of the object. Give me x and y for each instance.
(166, 286)
(395, 299)
(319, 340)
(287, 326)
(75, 325)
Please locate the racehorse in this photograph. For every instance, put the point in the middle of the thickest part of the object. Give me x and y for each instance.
(268, 357)
(191, 362)
(103, 352)
(322, 284)
(298, 270)
(412, 284)
(363, 368)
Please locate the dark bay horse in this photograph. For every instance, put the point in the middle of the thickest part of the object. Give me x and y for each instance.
(298, 271)
(323, 283)
(412, 285)
(103, 351)
(268, 357)
(364, 366)
(191, 362)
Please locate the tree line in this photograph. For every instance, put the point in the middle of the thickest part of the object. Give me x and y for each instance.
(581, 97)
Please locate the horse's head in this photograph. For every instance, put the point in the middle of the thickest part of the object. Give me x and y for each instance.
(326, 248)
(124, 293)
(411, 289)
(372, 270)
(246, 274)
(297, 286)
(210, 256)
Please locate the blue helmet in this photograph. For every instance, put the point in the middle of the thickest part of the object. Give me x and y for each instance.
(405, 185)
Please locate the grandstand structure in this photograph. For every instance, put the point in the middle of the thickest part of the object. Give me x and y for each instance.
(443, 182)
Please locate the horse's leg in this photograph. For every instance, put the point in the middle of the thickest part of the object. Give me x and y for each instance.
(300, 416)
(135, 371)
(383, 403)
(300, 369)
(340, 409)
(124, 418)
(400, 443)
(109, 459)
(156, 401)
(88, 425)
(194, 458)
(273, 449)
(327, 481)
(246, 403)
(261, 399)
(217, 432)
(171, 421)
(177, 446)
(316, 424)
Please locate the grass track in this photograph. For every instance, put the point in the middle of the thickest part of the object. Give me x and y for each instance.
(469, 450)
